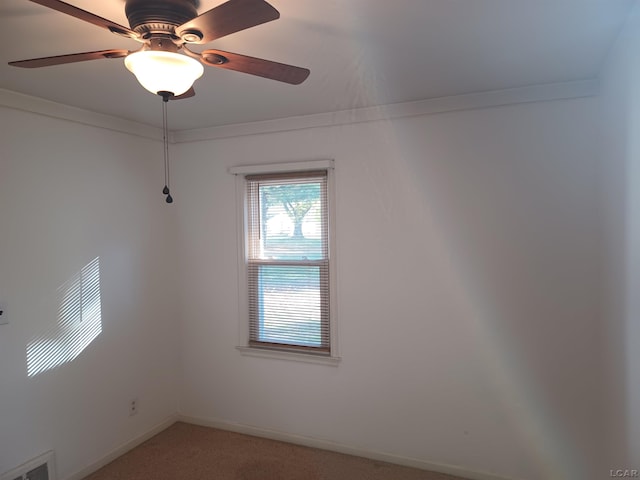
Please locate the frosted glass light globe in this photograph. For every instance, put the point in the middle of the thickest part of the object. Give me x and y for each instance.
(160, 71)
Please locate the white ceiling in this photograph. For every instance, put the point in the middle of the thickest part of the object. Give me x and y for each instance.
(360, 52)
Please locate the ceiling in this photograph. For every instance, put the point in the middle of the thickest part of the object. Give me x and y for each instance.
(360, 52)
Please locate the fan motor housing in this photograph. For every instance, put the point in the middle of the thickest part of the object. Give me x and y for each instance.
(159, 16)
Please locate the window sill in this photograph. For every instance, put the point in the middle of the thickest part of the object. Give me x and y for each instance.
(291, 356)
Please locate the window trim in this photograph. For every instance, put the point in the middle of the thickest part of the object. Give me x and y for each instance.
(244, 346)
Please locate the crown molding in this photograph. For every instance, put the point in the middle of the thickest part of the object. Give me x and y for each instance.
(47, 108)
(472, 101)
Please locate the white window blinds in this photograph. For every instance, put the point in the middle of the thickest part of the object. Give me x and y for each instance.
(288, 261)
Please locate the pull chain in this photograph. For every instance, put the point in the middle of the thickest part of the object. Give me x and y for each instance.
(165, 141)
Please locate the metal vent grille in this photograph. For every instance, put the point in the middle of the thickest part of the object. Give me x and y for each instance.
(38, 473)
(39, 468)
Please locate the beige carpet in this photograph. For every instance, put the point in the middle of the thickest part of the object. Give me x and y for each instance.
(189, 452)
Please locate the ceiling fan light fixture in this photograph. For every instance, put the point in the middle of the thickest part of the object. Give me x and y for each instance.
(160, 71)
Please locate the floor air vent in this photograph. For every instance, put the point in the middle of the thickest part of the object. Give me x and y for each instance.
(40, 468)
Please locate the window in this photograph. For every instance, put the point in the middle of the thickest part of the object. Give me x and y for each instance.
(286, 262)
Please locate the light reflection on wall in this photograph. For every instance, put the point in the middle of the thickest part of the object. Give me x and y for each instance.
(79, 322)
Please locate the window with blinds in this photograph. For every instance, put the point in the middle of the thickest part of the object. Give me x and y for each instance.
(288, 261)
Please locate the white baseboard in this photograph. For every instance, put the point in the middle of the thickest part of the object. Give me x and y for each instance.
(122, 449)
(340, 448)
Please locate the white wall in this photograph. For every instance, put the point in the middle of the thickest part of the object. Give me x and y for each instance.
(68, 194)
(621, 321)
(469, 268)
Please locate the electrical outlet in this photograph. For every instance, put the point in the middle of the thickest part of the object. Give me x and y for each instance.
(133, 406)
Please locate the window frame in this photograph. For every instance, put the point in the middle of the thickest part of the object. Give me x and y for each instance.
(245, 346)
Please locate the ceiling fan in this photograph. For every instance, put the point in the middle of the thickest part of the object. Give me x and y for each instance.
(165, 65)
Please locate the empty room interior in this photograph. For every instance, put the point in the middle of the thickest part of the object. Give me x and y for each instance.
(407, 231)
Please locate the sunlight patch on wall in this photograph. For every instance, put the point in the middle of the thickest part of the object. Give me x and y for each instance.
(79, 322)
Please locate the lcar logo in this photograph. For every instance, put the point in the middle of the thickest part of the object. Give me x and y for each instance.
(624, 473)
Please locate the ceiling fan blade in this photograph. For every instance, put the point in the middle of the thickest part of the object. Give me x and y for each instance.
(230, 17)
(188, 94)
(87, 17)
(255, 66)
(71, 58)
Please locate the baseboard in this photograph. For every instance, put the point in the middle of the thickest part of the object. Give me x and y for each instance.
(122, 449)
(340, 448)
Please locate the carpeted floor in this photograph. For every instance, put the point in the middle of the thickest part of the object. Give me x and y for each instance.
(190, 452)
